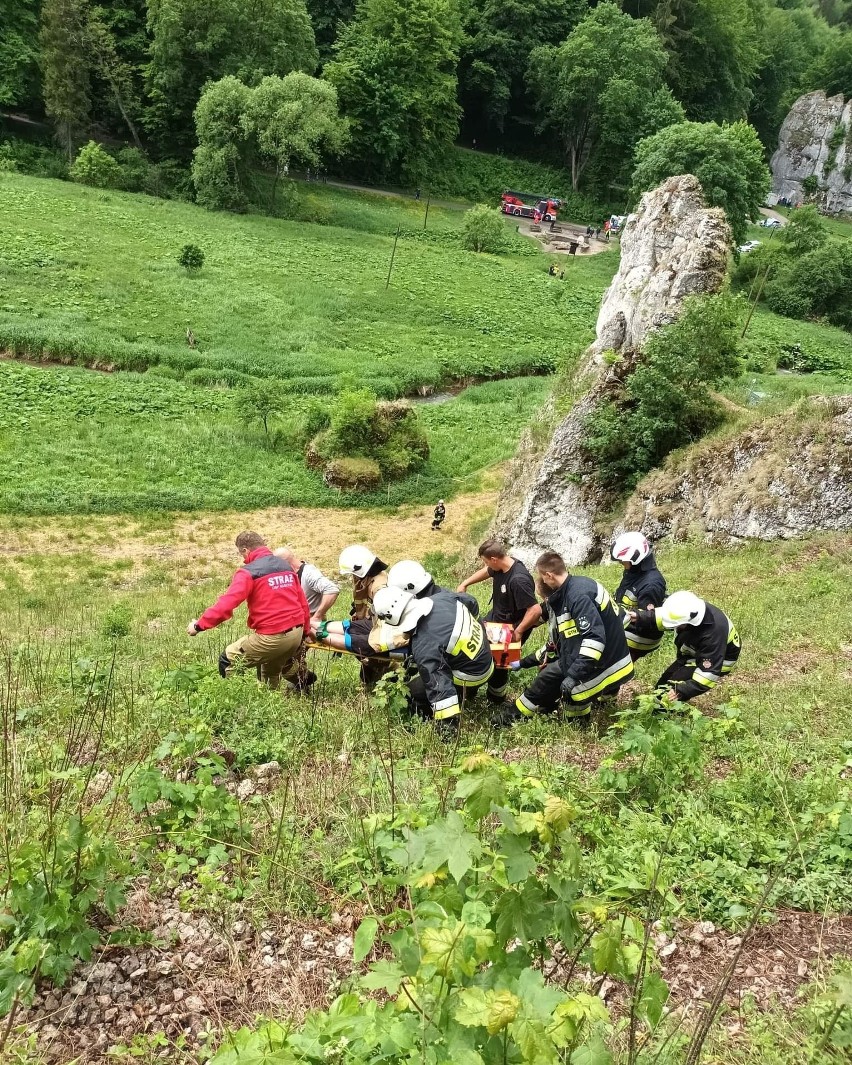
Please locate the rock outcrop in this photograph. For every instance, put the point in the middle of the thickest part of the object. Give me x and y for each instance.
(815, 142)
(779, 479)
(673, 247)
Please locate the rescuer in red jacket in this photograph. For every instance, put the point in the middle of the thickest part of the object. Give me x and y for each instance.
(278, 613)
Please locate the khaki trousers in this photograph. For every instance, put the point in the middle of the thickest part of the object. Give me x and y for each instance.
(273, 656)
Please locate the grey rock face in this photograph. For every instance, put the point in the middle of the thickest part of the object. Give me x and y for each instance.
(786, 477)
(673, 247)
(816, 141)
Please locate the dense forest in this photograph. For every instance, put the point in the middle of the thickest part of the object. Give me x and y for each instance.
(380, 89)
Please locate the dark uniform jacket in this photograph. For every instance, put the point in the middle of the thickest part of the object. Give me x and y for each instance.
(450, 649)
(711, 648)
(591, 644)
(641, 586)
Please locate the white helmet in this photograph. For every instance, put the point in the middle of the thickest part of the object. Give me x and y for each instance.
(630, 547)
(681, 608)
(410, 576)
(355, 560)
(399, 607)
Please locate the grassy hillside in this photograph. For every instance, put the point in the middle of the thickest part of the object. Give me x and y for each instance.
(102, 679)
(92, 277)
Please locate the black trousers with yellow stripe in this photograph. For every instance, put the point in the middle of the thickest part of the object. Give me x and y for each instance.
(542, 696)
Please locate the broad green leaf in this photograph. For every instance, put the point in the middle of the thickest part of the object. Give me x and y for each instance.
(439, 946)
(479, 791)
(539, 998)
(449, 842)
(523, 914)
(594, 1052)
(655, 993)
(533, 1041)
(473, 1007)
(365, 937)
(519, 862)
(606, 948)
(476, 914)
(384, 976)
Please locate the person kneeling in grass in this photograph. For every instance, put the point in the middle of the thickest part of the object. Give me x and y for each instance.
(592, 659)
(278, 614)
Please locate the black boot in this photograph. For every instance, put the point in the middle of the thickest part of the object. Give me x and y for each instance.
(506, 714)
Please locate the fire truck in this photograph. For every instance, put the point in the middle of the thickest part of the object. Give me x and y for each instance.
(528, 205)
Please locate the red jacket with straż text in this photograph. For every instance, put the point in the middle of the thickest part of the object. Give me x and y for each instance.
(275, 598)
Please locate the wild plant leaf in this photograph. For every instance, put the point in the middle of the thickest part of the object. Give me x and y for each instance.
(653, 997)
(364, 939)
(383, 976)
(479, 791)
(519, 862)
(523, 914)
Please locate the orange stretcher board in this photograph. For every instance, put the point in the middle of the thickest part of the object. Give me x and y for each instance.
(504, 650)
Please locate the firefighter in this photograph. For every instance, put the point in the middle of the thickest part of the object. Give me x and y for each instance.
(706, 641)
(369, 575)
(513, 601)
(448, 646)
(438, 516)
(592, 656)
(410, 576)
(642, 587)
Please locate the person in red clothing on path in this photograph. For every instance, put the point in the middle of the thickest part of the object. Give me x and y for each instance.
(278, 613)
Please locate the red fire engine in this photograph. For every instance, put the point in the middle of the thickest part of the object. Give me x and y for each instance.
(527, 205)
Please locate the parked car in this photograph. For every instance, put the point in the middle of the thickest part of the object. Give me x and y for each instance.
(771, 223)
(749, 245)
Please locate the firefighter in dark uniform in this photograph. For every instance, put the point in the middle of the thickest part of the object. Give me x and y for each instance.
(642, 587)
(707, 643)
(592, 656)
(438, 515)
(411, 576)
(448, 646)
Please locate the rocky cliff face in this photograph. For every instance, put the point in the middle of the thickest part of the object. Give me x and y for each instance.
(785, 477)
(816, 141)
(673, 247)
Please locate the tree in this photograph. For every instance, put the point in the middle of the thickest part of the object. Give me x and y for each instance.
(484, 229)
(581, 84)
(500, 36)
(221, 162)
(196, 41)
(788, 40)
(19, 51)
(727, 160)
(93, 166)
(295, 118)
(113, 70)
(282, 119)
(806, 231)
(714, 55)
(328, 18)
(258, 403)
(395, 75)
(665, 401)
(832, 70)
(65, 69)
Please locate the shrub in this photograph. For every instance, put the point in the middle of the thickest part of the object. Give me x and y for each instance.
(35, 159)
(134, 167)
(8, 162)
(361, 426)
(117, 622)
(352, 475)
(484, 230)
(191, 258)
(93, 166)
(806, 230)
(258, 403)
(664, 403)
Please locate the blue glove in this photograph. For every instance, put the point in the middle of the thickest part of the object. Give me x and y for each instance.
(514, 665)
(567, 686)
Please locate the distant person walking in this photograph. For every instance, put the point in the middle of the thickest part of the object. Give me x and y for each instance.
(438, 516)
(278, 614)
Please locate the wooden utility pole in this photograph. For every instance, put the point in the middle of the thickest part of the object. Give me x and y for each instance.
(393, 253)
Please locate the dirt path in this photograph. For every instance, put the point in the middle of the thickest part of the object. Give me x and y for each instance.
(570, 232)
(194, 543)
